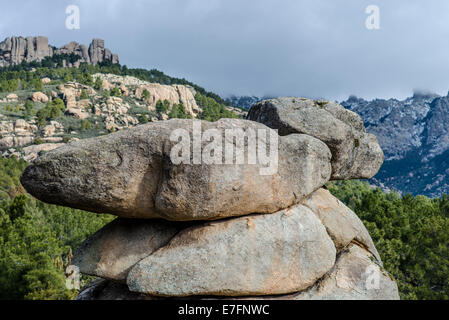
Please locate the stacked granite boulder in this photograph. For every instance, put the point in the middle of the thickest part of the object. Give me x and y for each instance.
(211, 230)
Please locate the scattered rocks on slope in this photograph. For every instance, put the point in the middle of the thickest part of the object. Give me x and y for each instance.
(283, 236)
(174, 94)
(105, 113)
(12, 97)
(39, 97)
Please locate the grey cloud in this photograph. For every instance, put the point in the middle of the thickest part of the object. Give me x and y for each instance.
(314, 48)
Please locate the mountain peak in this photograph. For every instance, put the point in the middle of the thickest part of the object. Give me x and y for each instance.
(424, 94)
(15, 50)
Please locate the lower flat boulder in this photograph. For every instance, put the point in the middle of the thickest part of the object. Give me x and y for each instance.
(354, 277)
(102, 289)
(114, 249)
(279, 253)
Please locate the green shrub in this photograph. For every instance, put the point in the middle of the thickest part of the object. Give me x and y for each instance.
(98, 84)
(162, 106)
(212, 110)
(52, 110)
(37, 240)
(178, 111)
(84, 95)
(142, 118)
(145, 94)
(115, 92)
(86, 125)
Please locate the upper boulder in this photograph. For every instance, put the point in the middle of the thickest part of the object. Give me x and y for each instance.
(137, 173)
(355, 153)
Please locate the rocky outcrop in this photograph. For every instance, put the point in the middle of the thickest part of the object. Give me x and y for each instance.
(16, 134)
(174, 94)
(275, 234)
(131, 174)
(111, 252)
(355, 153)
(15, 50)
(355, 276)
(98, 53)
(39, 97)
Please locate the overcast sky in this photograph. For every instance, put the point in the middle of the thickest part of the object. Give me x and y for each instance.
(312, 48)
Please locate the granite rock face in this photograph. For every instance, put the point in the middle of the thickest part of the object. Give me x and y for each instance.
(257, 255)
(175, 94)
(342, 224)
(355, 153)
(15, 50)
(276, 232)
(114, 249)
(355, 276)
(131, 174)
(319, 250)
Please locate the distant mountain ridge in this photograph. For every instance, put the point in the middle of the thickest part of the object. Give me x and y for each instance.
(414, 135)
(15, 50)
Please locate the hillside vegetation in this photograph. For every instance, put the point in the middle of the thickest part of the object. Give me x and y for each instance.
(37, 239)
(410, 233)
(42, 107)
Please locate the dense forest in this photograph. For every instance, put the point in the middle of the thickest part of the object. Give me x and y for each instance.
(37, 239)
(28, 76)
